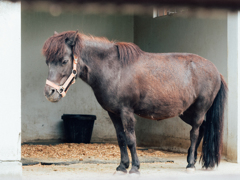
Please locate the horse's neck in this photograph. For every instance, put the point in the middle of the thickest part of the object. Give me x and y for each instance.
(101, 59)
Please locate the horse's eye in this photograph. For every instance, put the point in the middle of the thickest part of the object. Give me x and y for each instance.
(64, 61)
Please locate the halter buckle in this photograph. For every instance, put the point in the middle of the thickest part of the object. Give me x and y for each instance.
(74, 72)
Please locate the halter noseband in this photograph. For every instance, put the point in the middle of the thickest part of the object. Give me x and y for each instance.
(62, 90)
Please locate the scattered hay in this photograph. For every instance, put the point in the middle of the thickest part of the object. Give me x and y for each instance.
(83, 151)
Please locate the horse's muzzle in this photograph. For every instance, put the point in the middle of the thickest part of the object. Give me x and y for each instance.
(51, 94)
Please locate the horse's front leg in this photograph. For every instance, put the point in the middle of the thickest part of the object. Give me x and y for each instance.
(117, 122)
(129, 122)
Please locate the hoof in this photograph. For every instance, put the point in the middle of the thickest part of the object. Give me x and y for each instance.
(121, 168)
(134, 171)
(190, 166)
(119, 173)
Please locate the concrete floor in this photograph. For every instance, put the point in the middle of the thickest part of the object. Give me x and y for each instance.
(176, 170)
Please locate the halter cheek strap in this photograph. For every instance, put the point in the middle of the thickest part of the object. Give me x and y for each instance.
(70, 80)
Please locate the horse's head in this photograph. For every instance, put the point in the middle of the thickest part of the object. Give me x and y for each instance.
(58, 50)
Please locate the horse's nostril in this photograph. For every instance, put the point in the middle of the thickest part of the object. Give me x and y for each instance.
(52, 92)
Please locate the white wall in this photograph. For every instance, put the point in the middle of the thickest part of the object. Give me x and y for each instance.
(205, 37)
(233, 140)
(10, 121)
(41, 119)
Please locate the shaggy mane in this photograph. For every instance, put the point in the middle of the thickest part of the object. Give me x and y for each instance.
(128, 52)
(54, 47)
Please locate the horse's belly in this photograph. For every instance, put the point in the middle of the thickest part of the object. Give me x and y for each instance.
(163, 110)
(157, 115)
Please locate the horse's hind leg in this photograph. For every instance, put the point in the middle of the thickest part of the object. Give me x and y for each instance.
(117, 122)
(195, 137)
(195, 119)
(201, 133)
(129, 121)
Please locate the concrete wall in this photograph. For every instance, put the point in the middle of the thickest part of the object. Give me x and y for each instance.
(40, 118)
(205, 37)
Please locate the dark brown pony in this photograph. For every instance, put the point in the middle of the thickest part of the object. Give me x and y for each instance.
(128, 81)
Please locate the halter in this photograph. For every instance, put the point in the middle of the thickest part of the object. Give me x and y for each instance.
(62, 90)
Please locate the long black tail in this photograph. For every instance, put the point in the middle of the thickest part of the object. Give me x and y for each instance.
(212, 141)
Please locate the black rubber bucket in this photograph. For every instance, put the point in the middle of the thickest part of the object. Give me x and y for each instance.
(78, 127)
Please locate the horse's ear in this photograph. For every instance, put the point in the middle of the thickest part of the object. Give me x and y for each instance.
(55, 33)
(71, 41)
